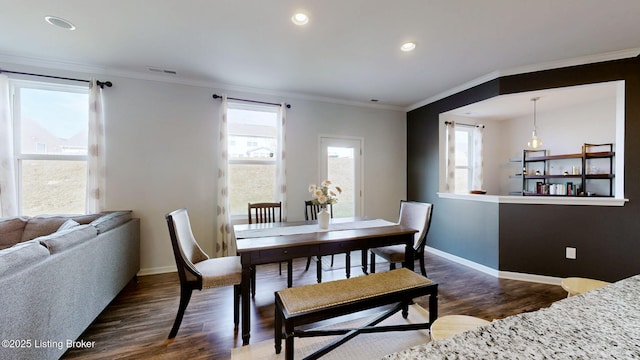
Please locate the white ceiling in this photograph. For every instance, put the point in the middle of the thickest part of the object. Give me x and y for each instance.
(349, 50)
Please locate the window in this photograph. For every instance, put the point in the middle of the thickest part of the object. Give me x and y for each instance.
(50, 145)
(464, 158)
(340, 162)
(462, 161)
(253, 145)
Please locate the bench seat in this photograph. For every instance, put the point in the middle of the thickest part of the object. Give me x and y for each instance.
(311, 303)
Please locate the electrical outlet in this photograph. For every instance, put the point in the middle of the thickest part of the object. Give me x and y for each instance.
(571, 253)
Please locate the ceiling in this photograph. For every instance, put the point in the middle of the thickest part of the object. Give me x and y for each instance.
(511, 106)
(349, 50)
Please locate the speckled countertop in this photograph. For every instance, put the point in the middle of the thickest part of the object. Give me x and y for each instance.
(601, 324)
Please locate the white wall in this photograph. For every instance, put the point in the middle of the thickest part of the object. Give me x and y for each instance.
(384, 158)
(563, 131)
(161, 143)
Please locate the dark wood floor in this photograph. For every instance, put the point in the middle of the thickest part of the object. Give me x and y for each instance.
(136, 324)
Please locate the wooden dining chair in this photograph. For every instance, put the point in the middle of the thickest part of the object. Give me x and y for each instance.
(267, 212)
(415, 215)
(311, 211)
(196, 270)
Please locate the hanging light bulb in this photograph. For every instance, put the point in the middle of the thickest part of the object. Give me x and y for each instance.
(535, 142)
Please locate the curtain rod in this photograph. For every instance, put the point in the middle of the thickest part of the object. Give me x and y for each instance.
(450, 122)
(216, 96)
(102, 84)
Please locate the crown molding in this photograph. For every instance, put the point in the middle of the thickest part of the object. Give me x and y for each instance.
(583, 60)
(78, 68)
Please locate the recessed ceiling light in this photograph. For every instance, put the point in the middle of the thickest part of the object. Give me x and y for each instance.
(59, 22)
(300, 19)
(409, 46)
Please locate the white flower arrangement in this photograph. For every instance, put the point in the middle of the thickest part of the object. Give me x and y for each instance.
(326, 193)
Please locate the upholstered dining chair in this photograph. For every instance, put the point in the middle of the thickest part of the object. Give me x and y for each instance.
(196, 270)
(311, 211)
(266, 212)
(415, 215)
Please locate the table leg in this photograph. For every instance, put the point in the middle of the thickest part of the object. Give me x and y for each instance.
(246, 300)
(347, 261)
(319, 269)
(364, 261)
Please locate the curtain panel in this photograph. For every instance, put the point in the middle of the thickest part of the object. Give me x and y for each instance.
(450, 179)
(281, 163)
(96, 164)
(478, 158)
(8, 191)
(225, 240)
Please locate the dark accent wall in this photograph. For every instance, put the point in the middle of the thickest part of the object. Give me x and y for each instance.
(532, 238)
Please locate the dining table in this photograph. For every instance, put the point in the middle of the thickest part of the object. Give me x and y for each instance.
(267, 243)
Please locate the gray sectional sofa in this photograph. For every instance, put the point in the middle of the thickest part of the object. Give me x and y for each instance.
(57, 274)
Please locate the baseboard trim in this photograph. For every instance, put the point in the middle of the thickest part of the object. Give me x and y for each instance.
(543, 279)
(157, 270)
(474, 265)
(493, 272)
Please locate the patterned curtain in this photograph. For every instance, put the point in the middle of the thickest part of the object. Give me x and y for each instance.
(451, 157)
(225, 240)
(96, 174)
(281, 168)
(8, 193)
(478, 159)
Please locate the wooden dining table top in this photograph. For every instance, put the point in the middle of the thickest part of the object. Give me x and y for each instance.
(342, 233)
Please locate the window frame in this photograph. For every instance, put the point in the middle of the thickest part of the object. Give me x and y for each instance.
(16, 85)
(239, 105)
(469, 130)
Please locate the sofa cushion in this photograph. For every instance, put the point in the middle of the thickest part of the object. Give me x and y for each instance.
(11, 230)
(86, 219)
(20, 256)
(42, 225)
(64, 239)
(111, 219)
(69, 224)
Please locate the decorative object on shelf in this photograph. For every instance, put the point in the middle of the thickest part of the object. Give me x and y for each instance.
(322, 195)
(478, 192)
(575, 170)
(535, 142)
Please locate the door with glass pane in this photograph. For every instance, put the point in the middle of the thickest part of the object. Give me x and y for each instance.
(340, 162)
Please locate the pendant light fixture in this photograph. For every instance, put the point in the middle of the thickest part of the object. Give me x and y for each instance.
(535, 142)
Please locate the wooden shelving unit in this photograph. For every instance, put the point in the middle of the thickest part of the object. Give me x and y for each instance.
(548, 184)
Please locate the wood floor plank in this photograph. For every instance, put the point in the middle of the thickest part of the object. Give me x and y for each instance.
(136, 324)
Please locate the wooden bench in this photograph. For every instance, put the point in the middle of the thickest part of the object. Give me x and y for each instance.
(310, 303)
